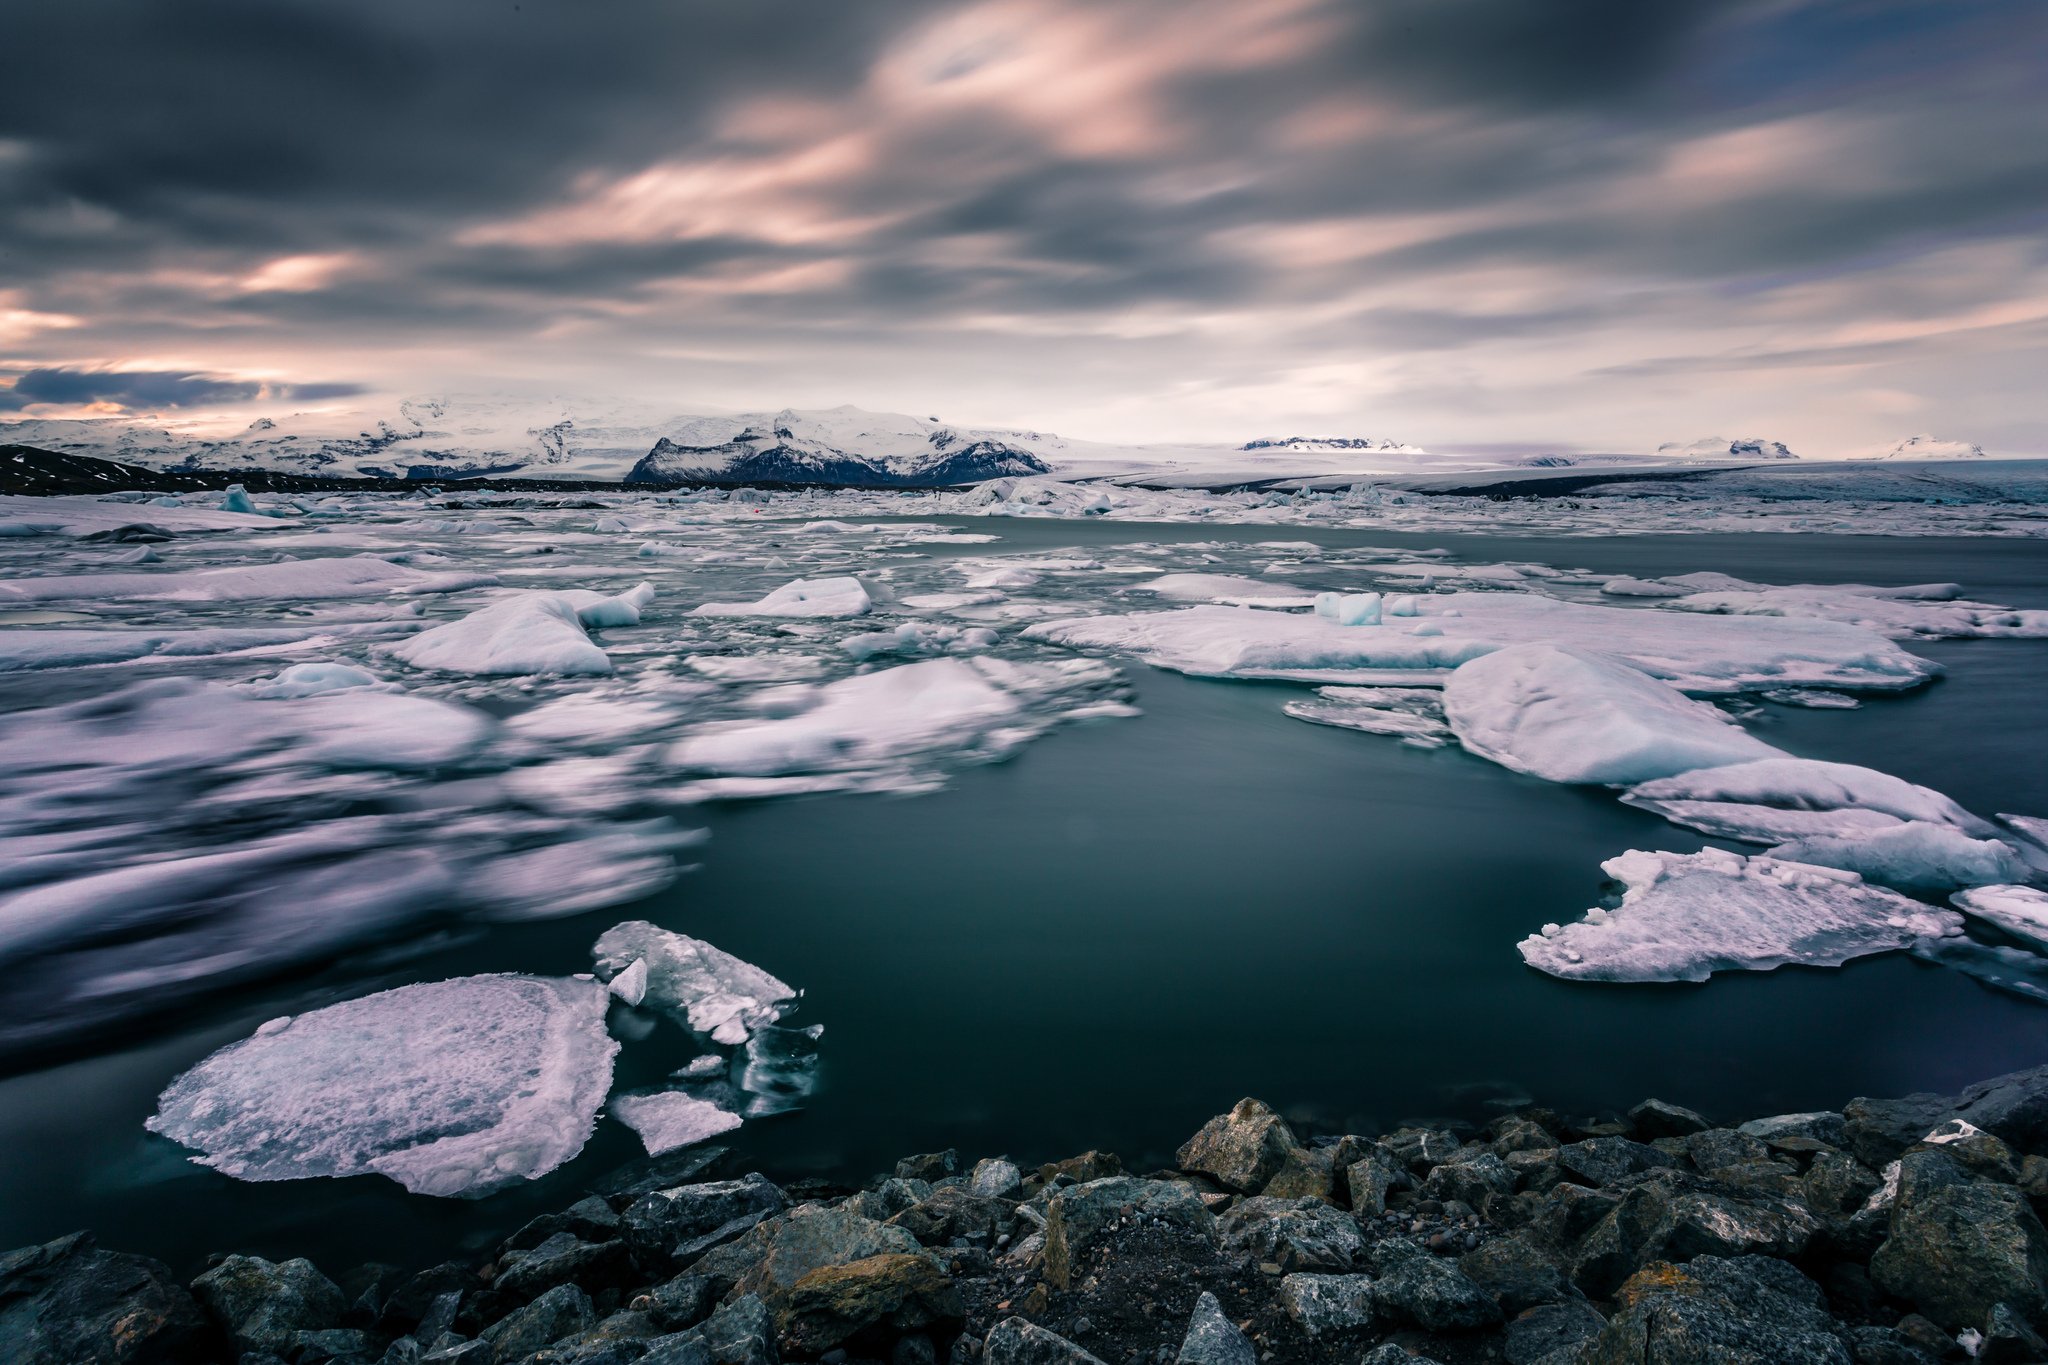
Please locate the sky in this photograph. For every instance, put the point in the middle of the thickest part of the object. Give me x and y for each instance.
(1598, 224)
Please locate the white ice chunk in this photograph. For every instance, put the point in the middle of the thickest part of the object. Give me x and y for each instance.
(1349, 609)
(1700, 654)
(1412, 714)
(1923, 611)
(311, 679)
(1777, 799)
(1572, 716)
(1912, 856)
(448, 1087)
(1222, 587)
(529, 632)
(713, 992)
(2021, 911)
(1684, 917)
(805, 597)
(671, 1120)
(363, 728)
(630, 985)
(858, 721)
(294, 580)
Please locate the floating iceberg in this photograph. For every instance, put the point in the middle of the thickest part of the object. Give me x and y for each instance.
(311, 679)
(1684, 917)
(1572, 716)
(1700, 654)
(1774, 800)
(1222, 587)
(712, 992)
(2021, 911)
(531, 632)
(448, 1087)
(294, 580)
(1911, 856)
(1929, 611)
(672, 1119)
(1350, 609)
(1412, 714)
(804, 597)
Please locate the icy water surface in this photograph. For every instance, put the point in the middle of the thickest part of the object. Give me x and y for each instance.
(1133, 922)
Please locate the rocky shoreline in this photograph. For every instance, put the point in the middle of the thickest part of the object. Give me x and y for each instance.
(1893, 1232)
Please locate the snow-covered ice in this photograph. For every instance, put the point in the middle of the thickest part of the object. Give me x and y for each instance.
(527, 632)
(1569, 715)
(1412, 714)
(672, 1119)
(1683, 917)
(713, 992)
(802, 598)
(2021, 911)
(456, 1087)
(1775, 800)
(1912, 856)
(301, 580)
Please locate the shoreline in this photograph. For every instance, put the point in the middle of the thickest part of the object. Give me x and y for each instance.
(1892, 1231)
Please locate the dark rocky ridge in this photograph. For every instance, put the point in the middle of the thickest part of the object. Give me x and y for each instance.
(1893, 1232)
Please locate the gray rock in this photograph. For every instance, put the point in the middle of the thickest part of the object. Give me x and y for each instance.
(563, 1259)
(679, 1304)
(1819, 1126)
(930, 1166)
(1429, 1291)
(1369, 1180)
(1013, 1341)
(563, 1311)
(1522, 1134)
(741, 1332)
(1956, 1247)
(1083, 1217)
(263, 1304)
(1387, 1353)
(1470, 1179)
(2009, 1337)
(591, 1220)
(1308, 1172)
(1326, 1305)
(1548, 1328)
(1750, 1311)
(1604, 1160)
(813, 1238)
(953, 1212)
(1629, 1235)
(475, 1353)
(1240, 1150)
(1655, 1119)
(1878, 1131)
(1421, 1148)
(1884, 1346)
(2014, 1107)
(66, 1302)
(996, 1178)
(1837, 1184)
(667, 1227)
(335, 1346)
(1516, 1272)
(1303, 1234)
(871, 1301)
(1213, 1339)
(1568, 1212)
(889, 1198)
(1714, 1148)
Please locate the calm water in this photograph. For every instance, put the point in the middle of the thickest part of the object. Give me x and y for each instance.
(1134, 923)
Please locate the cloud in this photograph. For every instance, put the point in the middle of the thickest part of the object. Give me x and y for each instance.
(152, 390)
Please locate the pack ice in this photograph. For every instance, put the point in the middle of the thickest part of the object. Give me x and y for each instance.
(1932, 611)
(529, 632)
(1698, 654)
(711, 991)
(453, 1087)
(302, 580)
(1568, 715)
(1683, 917)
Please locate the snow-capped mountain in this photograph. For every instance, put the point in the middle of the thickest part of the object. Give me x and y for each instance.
(843, 445)
(1296, 445)
(1924, 447)
(1717, 448)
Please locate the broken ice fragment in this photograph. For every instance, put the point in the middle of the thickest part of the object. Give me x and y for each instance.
(672, 1119)
(711, 991)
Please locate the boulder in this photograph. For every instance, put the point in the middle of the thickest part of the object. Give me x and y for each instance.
(678, 1304)
(1603, 1161)
(952, 1212)
(67, 1302)
(929, 1166)
(1750, 1311)
(1550, 1328)
(1470, 1179)
(1303, 1234)
(1388, 1353)
(741, 1332)
(1081, 1218)
(264, 1304)
(811, 1239)
(1307, 1173)
(1428, 1291)
(1957, 1248)
(1885, 1346)
(1822, 1126)
(1328, 1305)
(563, 1259)
(591, 1220)
(1369, 1180)
(1522, 1134)
(1013, 1341)
(876, 1299)
(1213, 1339)
(1240, 1150)
(1083, 1168)
(1655, 1119)
(561, 1312)
(1517, 1273)
(667, 1228)
(996, 1178)
(1421, 1148)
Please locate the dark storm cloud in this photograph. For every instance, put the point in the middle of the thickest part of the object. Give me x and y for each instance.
(485, 169)
(148, 390)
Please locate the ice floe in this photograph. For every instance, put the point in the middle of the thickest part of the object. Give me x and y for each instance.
(805, 597)
(712, 992)
(300, 580)
(1231, 589)
(672, 1119)
(1934, 611)
(2021, 911)
(1683, 917)
(1412, 714)
(1569, 715)
(1775, 800)
(526, 633)
(1912, 856)
(450, 1088)
(1700, 654)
